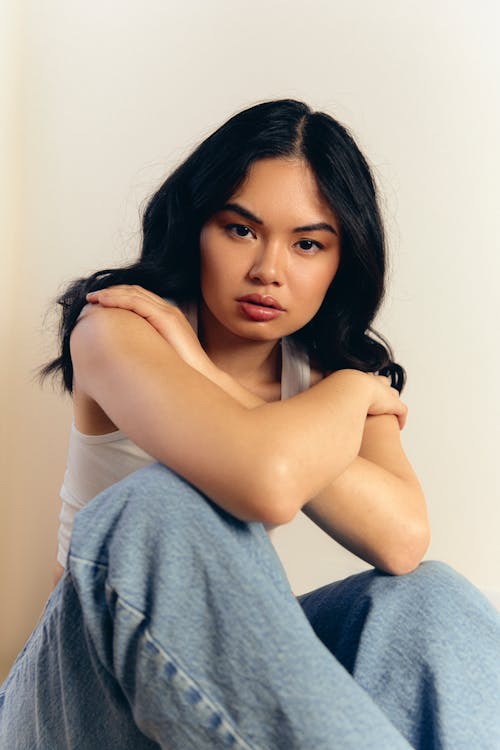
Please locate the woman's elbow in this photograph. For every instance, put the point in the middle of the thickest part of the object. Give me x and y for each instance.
(407, 554)
(271, 494)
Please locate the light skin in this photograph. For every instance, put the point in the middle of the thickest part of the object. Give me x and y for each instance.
(333, 451)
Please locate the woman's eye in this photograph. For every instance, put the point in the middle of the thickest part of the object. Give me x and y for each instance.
(240, 230)
(308, 245)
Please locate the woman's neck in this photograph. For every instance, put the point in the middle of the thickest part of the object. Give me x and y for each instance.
(252, 363)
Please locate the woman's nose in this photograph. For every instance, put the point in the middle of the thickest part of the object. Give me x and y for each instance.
(269, 265)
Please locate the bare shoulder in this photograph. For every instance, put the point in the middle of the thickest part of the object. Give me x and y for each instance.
(100, 333)
(96, 319)
(89, 417)
(103, 333)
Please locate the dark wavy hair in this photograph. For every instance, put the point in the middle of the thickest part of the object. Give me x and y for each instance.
(339, 334)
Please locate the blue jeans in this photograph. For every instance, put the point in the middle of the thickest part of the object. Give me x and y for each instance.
(174, 626)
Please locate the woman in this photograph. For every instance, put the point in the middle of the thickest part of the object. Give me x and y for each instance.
(261, 271)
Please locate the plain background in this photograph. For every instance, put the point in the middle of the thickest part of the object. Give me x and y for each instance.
(103, 99)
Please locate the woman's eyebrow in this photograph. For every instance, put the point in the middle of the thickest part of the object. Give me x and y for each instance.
(242, 212)
(246, 214)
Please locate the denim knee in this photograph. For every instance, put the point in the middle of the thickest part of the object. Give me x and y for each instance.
(435, 586)
(154, 527)
(140, 508)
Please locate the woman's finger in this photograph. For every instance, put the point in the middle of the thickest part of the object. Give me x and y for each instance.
(128, 297)
(127, 289)
(153, 309)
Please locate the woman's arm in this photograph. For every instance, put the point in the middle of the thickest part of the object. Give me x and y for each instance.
(376, 507)
(259, 464)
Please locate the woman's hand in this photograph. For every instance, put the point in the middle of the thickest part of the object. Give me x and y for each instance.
(385, 399)
(165, 317)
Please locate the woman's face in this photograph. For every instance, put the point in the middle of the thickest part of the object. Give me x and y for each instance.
(276, 238)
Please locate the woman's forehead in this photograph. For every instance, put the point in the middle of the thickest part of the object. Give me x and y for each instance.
(279, 186)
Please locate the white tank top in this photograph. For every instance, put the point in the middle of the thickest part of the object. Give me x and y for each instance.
(95, 462)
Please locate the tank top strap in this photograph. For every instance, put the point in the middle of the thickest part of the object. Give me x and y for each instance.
(295, 369)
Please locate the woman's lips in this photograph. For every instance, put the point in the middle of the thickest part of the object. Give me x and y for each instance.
(257, 312)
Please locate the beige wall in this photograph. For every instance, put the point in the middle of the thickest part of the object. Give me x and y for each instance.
(105, 97)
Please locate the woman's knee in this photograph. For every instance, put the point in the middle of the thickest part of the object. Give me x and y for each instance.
(432, 578)
(156, 532)
(159, 499)
(152, 509)
(438, 582)
(156, 485)
(145, 497)
(436, 597)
